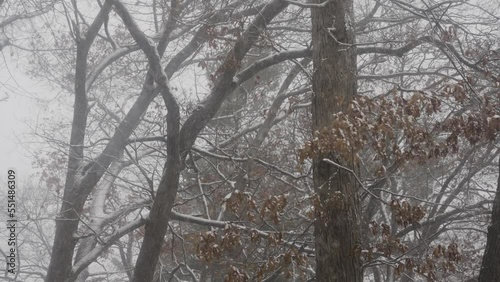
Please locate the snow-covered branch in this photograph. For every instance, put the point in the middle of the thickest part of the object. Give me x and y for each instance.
(309, 5)
(97, 251)
(224, 224)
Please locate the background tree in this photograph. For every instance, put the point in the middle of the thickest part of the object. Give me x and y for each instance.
(13, 12)
(422, 129)
(489, 267)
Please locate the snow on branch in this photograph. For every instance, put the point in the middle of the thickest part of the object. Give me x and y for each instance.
(224, 224)
(151, 53)
(308, 5)
(97, 251)
(266, 164)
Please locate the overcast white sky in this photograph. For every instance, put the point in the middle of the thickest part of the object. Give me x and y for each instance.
(15, 115)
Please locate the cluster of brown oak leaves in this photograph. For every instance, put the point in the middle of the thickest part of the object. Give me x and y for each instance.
(213, 246)
(398, 127)
(401, 127)
(442, 258)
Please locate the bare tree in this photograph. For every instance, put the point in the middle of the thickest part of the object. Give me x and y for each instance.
(188, 117)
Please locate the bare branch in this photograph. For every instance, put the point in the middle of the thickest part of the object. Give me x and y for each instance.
(97, 251)
(308, 5)
(226, 84)
(223, 224)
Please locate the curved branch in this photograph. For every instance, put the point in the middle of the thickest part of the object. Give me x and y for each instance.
(108, 60)
(226, 84)
(98, 250)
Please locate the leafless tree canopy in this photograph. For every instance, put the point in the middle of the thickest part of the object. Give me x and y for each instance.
(225, 140)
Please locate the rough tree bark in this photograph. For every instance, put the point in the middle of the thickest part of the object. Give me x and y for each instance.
(490, 268)
(337, 234)
(76, 188)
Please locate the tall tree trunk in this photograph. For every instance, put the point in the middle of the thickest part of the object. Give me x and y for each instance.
(337, 234)
(490, 268)
(76, 188)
